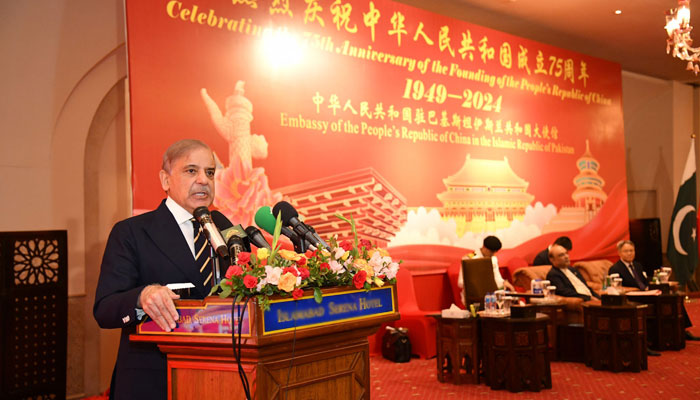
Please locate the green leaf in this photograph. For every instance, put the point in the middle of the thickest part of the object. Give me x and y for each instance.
(318, 296)
(214, 289)
(225, 292)
(276, 236)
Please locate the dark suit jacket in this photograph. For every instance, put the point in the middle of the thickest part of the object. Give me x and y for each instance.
(564, 287)
(542, 258)
(627, 278)
(140, 251)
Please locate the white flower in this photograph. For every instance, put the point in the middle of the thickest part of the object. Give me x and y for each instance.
(392, 270)
(261, 283)
(339, 252)
(273, 274)
(336, 267)
(376, 261)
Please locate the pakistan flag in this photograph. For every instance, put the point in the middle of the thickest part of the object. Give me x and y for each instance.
(682, 247)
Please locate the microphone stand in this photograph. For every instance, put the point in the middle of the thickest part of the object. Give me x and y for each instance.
(216, 268)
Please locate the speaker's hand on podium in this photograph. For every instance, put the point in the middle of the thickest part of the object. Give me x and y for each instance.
(157, 302)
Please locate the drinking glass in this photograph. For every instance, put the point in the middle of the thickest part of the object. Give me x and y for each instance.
(500, 295)
(617, 283)
(550, 292)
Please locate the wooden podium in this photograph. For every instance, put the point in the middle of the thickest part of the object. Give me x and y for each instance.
(296, 350)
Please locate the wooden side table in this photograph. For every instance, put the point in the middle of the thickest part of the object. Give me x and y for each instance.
(515, 355)
(555, 311)
(615, 337)
(665, 330)
(458, 350)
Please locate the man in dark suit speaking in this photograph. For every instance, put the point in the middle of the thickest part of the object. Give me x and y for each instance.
(146, 252)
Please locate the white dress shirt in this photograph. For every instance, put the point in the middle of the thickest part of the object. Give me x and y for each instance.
(183, 219)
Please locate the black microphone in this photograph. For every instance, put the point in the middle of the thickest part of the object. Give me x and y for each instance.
(290, 217)
(236, 230)
(204, 218)
(236, 245)
(256, 237)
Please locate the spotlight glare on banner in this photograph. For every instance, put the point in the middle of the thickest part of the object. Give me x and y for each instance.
(281, 48)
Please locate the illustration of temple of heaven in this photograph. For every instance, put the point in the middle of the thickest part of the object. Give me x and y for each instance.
(484, 195)
(378, 208)
(588, 196)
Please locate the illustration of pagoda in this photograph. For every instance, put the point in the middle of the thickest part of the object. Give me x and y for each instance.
(484, 195)
(588, 196)
(378, 208)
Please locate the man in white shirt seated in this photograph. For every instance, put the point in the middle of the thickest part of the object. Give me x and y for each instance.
(568, 280)
(490, 247)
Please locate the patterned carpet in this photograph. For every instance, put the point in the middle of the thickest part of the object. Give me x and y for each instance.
(674, 375)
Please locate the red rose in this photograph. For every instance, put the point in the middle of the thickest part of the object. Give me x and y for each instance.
(297, 293)
(243, 258)
(304, 272)
(302, 261)
(310, 254)
(359, 279)
(324, 266)
(250, 281)
(234, 270)
(365, 243)
(346, 245)
(291, 270)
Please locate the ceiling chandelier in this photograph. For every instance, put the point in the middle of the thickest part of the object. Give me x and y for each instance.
(678, 29)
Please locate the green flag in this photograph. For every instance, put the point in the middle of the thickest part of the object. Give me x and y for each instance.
(682, 247)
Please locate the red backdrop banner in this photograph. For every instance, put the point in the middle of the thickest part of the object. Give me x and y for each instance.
(427, 129)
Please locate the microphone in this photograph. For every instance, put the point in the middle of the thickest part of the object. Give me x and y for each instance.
(256, 237)
(236, 245)
(290, 217)
(265, 220)
(236, 231)
(204, 217)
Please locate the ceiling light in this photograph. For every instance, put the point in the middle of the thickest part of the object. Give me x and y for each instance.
(678, 29)
(618, 12)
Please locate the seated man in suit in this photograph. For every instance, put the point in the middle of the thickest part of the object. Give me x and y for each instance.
(542, 258)
(148, 251)
(633, 275)
(491, 245)
(568, 280)
(631, 272)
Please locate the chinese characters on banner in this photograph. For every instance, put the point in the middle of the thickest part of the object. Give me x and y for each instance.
(429, 130)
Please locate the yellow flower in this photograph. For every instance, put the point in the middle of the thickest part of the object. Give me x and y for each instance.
(289, 255)
(263, 254)
(325, 253)
(381, 252)
(378, 281)
(287, 282)
(362, 265)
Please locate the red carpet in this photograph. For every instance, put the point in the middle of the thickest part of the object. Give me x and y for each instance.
(674, 375)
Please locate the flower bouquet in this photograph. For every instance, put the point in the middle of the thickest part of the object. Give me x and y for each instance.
(266, 272)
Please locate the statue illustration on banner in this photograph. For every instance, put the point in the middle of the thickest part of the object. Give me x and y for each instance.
(240, 188)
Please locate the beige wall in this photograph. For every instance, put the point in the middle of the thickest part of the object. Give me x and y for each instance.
(64, 147)
(658, 117)
(63, 102)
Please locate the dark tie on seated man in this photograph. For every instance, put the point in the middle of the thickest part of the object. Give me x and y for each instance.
(568, 280)
(633, 275)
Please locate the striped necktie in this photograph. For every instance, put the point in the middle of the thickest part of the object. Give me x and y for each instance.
(202, 252)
